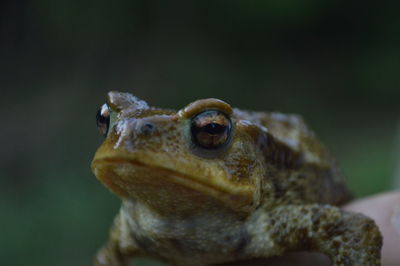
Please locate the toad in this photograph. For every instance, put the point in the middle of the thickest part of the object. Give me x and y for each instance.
(212, 184)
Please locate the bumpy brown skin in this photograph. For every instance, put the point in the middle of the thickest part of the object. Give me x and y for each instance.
(272, 189)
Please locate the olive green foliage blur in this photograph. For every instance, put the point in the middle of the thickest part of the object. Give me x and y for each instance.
(334, 62)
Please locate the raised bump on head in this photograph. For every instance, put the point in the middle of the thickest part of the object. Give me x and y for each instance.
(123, 100)
(205, 104)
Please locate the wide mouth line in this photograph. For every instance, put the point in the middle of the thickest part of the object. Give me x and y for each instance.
(184, 179)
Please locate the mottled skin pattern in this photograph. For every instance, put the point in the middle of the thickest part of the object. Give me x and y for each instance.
(272, 189)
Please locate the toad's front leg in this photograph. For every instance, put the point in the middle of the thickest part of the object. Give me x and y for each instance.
(120, 248)
(347, 238)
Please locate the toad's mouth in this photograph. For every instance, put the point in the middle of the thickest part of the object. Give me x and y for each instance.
(167, 189)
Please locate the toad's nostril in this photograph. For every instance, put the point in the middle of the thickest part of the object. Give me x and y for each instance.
(147, 128)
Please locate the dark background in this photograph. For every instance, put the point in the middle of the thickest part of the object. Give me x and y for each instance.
(334, 62)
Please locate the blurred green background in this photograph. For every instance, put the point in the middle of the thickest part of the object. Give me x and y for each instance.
(334, 62)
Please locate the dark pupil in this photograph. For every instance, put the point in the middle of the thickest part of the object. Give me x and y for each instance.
(103, 122)
(214, 128)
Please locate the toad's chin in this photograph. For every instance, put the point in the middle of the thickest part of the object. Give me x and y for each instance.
(165, 190)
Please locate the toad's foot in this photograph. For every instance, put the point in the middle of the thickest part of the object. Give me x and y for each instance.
(347, 238)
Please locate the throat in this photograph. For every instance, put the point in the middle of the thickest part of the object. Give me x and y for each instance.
(200, 234)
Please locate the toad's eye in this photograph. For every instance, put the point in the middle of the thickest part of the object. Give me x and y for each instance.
(211, 129)
(103, 119)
